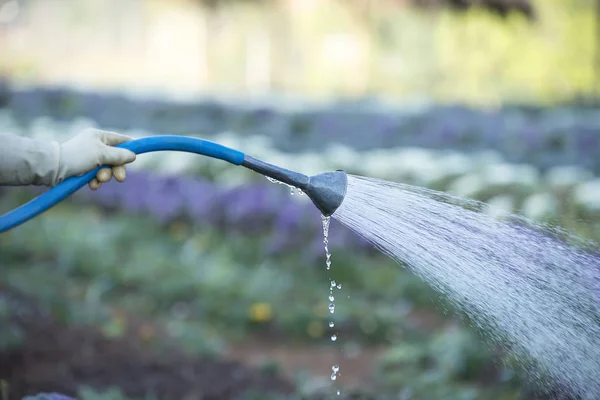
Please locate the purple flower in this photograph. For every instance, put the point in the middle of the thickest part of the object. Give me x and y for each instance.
(48, 396)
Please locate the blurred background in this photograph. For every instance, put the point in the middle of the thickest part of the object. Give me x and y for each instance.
(195, 279)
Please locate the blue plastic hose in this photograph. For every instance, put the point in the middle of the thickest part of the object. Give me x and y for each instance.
(69, 186)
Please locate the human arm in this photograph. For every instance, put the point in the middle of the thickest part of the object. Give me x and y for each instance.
(29, 161)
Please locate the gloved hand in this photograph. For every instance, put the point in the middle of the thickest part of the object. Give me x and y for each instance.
(90, 149)
(29, 161)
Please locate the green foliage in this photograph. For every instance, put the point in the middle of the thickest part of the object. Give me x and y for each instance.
(251, 395)
(448, 366)
(113, 393)
(11, 334)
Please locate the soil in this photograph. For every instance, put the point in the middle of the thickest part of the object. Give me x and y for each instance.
(356, 366)
(56, 358)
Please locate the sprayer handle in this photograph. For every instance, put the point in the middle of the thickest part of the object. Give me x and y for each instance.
(149, 144)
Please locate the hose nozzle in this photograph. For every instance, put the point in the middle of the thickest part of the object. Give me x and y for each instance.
(326, 190)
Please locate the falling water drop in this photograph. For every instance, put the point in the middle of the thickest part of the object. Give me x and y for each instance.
(335, 370)
(332, 285)
(326, 221)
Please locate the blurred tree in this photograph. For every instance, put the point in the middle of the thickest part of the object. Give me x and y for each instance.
(218, 3)
(500, 7)
(597, 60)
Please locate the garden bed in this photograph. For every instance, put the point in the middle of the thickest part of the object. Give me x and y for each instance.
(56, 358)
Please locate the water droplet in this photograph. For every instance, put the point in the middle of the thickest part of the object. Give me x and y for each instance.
(333, 377)
(331, 324)
(331, 298)
(332, 283)
(339, 286)
(335, 368)
(333, 338)
(293, 189)
(332, 308)
(338, 392)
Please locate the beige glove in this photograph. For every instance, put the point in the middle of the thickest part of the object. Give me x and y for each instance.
(90, 149)
(26, 161)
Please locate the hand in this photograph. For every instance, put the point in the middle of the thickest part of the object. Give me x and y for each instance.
(93, 148)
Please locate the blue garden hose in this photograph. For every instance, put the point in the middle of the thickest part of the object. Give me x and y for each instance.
(139, 146)
(326, 190)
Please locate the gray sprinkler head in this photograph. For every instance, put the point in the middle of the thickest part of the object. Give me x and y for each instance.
(326, 190)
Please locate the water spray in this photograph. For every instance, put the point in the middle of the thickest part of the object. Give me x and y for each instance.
(326, 190)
